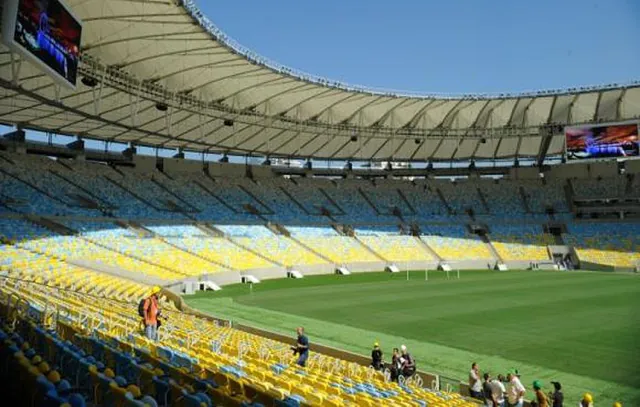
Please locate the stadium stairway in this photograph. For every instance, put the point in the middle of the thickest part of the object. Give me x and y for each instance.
(524, 199)
(569, 193)
(216, 197)
(188, 208)
(210, 230)
(137, 228)
(267, 208)
(483, 200)
(51, 225)
(36, 188)
(310, 249)
(492, 249)
(87, 197)
(406, 201)
(444, 201)
(370, 250)
(295, 201)
(134, 195)
(368, 200)
(428, 249)
(332, 201)
(256, 253)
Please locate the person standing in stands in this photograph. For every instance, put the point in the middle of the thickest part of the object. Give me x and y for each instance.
(302, 347)
(487, 392)
(515, 390)
(475, 385)
(408, 363)
(376, 357)
(151, 311)
(499, 391)
(587, 400)
(396, 364)
(541, 398)
(557, 398)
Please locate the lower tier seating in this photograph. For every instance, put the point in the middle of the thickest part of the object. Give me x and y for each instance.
(95, 344)
(517, 242)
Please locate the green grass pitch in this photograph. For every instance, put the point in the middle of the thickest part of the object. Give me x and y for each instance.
(582, 329)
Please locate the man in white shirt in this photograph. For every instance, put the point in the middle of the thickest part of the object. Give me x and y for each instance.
(498, 390)
(475, 385)
(515, 390)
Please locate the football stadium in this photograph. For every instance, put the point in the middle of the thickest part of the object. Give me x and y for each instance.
(185, 223)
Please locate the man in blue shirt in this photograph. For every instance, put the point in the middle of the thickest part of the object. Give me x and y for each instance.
(302, 347)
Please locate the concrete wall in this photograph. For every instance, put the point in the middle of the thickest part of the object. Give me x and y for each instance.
(118, 272)
(524, 173)
(224, 278)
(606, 169)
(267, 274)
(180, 166)
(416, 265)
(470, 264)
(144, 163)
(227, 170)
(632, 166)
(261, 171)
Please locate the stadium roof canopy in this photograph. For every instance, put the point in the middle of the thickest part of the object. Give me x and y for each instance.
(220, 97)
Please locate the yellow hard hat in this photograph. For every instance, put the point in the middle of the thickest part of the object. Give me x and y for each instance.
(376, 344)
(587, 397)
(617, 404)
(134, 390)
(54, 376)
(156, 290)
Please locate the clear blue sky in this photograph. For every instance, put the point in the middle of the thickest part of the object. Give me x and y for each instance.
(451, 46)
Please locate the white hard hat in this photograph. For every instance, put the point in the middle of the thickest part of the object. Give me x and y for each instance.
(403, 348)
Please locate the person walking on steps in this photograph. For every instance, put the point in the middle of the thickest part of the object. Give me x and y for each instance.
(150, 314)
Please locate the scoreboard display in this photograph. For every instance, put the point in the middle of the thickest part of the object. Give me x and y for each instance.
(615, 140)
(46, 33)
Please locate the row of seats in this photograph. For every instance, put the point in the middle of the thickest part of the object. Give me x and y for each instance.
(179, 251)
(454, 243)
(197, 362)
(613, 244)
(521, 242)
(67, 187)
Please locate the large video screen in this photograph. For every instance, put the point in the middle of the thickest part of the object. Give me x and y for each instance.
(47, 32)
(603, 141)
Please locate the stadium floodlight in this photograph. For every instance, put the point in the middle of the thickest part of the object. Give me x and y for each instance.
(89, 81)
(179, 154)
